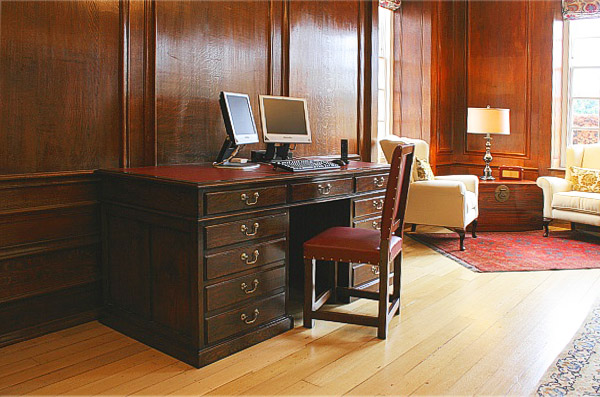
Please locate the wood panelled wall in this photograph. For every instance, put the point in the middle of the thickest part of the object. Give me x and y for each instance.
(497, 53)
(100, 83)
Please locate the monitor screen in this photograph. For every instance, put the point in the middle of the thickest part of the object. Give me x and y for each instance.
(238, 117)
(284, 120)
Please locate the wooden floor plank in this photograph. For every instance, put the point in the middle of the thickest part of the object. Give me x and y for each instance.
(459, 332)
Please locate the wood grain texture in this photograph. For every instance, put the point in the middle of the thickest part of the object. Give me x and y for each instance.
(324, 68)
(202, 48)
(522, 211)
(508, 63)
(59, 84)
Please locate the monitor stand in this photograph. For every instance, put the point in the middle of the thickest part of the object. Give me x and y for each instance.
(273, 152)
(227, 152)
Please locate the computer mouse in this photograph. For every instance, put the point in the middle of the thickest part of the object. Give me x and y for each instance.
(338, 162)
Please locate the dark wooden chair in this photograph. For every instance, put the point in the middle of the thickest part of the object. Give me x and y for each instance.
(377, 247)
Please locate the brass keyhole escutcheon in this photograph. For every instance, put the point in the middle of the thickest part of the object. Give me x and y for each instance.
(502, 193)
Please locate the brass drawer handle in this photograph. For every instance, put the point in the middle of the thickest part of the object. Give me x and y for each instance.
(324, 189)
(246, 257)
(378, 204)
(375, 270)
(246, 230)
(379, 181)
(244, 287)
(244, 317)
(376, 225)
(244, 197)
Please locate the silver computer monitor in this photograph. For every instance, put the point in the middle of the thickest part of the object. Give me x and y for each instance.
(239, 121)
(284, 119)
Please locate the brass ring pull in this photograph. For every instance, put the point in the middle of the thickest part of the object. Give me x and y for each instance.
(244, 287)
(379, 181)
(378, 204)
(376, 225)
(246, 257)
(244, 317)
(375, 270)
(246, 230)
(324, 189)
(244, 197)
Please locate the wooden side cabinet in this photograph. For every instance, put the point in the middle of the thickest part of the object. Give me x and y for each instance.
(506, 205)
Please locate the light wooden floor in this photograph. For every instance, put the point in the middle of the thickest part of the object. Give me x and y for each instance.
(460, 333)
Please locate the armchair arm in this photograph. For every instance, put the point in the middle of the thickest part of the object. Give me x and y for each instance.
(551, 185)
(471, 181)
(438, 188)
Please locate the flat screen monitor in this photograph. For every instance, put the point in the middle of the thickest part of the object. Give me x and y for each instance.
(239, 121)
(284, 119)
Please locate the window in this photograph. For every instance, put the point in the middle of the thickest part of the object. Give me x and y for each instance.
(384, 83)
(581, 104)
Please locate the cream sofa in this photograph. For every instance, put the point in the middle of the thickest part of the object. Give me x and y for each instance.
(563, 203)
(450, 201)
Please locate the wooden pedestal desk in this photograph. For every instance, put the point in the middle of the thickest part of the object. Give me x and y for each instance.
(197, 259)
(509, 205)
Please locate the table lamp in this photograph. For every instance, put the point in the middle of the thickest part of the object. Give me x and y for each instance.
(488, 121)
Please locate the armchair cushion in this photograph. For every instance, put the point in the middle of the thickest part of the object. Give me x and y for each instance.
(422, 170)
(583, 202)
(471, 181)
(585, 179)
(551, 185)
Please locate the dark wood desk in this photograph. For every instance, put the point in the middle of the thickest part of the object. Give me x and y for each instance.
(197, 259)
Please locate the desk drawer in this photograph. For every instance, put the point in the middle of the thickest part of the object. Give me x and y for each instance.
(244, 288)
(244, 258)
(368, 206)
(246, 318)
(363, 273)
(236, 200)
(372, 182)
(245, 230)
(314, 190)
(371, 223)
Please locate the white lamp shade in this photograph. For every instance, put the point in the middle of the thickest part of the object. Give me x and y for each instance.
(488, 121)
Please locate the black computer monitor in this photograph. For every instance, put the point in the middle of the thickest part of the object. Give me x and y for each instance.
(239, 124)
(284, 122)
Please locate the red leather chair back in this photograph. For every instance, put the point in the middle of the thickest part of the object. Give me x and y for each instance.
(394, 207)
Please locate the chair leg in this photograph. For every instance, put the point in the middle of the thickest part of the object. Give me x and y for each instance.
(397, 280)
(474, 229)
(546, 223)
(461, 234)
(384, 285)
(309, 291)
(413, 227)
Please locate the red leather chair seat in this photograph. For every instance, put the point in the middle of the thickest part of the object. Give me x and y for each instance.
(346, 244)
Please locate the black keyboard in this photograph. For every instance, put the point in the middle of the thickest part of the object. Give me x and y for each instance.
(304, 165)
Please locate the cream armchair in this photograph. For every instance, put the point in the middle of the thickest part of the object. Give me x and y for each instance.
(563, 203)
(448, 201)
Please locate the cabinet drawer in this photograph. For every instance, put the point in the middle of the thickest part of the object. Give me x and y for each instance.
(246, 318)
(312, 190)
(364, 273)
(371, 223)
(245, 230)
(368, 206)
(236, 200)
(372, 182)
(244, 258)
(244, 288)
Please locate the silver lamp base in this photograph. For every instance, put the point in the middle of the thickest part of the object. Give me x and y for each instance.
(487, 171)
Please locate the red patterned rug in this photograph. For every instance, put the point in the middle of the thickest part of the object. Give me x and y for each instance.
(518, 251)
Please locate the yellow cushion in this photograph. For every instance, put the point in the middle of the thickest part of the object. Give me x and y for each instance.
(422, 170)
(585, 179)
